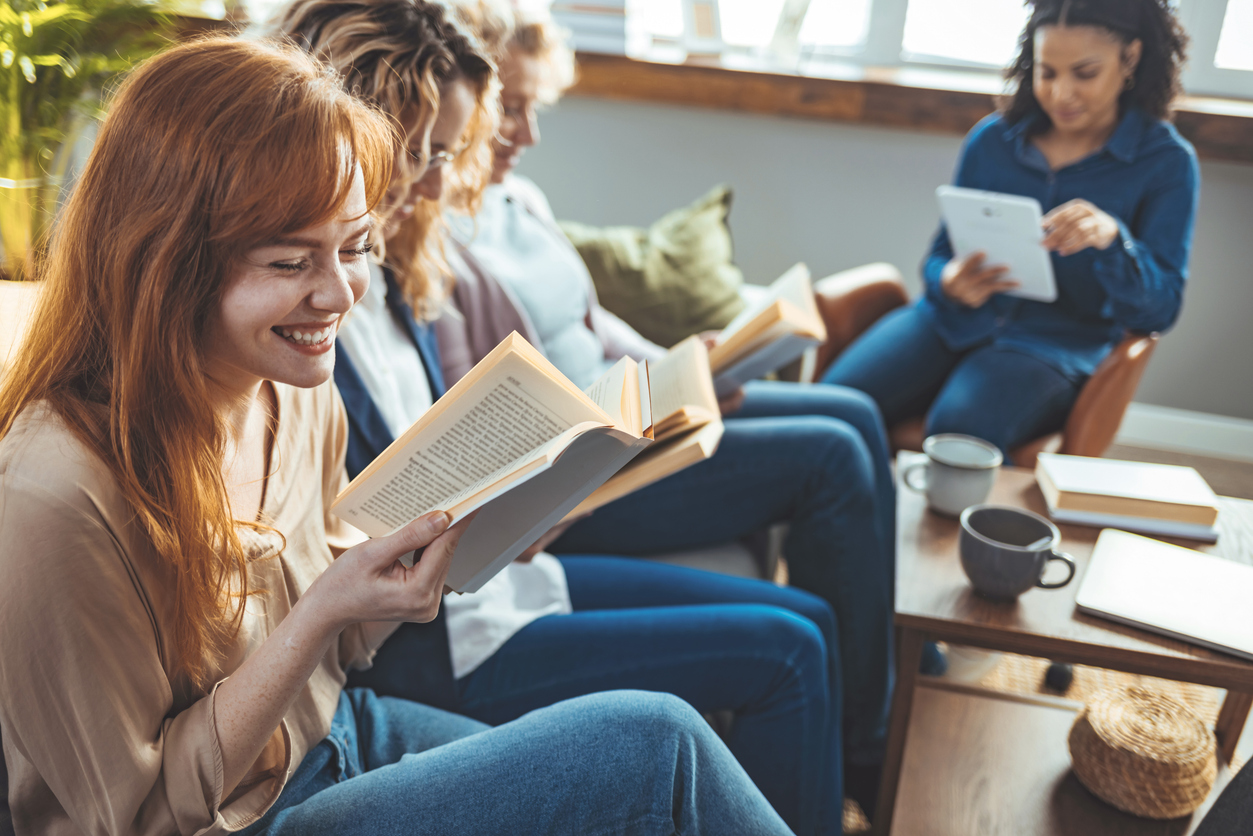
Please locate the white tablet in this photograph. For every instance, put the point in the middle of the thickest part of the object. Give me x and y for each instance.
(1007, 228)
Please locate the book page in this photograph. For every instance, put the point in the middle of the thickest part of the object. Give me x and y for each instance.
(681, 383)
(645, 399)
(794, 286)
(776, 353)
(657, 461)
(501, 429)
(611, 393)
(514, 520)
(789, 307)
(791, 285)
(474, 436)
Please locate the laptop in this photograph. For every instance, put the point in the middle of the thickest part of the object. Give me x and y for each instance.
(1177, 592)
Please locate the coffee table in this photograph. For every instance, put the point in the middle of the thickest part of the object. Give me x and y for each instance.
(934, 601)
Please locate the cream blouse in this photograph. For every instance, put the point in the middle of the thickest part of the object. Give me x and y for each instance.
(99, 735)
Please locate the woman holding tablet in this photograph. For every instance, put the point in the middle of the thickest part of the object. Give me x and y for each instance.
(178, 607)
(1085, 134)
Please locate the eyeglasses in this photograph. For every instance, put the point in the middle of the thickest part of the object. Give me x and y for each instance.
(437, 159)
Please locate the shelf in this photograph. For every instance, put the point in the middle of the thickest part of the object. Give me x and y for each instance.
(979, 762)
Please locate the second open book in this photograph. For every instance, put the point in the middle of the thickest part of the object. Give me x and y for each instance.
(516, 440)
(769, 333)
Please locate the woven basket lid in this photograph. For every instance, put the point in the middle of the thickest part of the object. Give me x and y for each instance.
(1144, 753)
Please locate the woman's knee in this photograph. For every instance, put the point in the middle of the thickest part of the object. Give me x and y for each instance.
(815, 610)
(968, 419)
(838, 453)
(639, 726)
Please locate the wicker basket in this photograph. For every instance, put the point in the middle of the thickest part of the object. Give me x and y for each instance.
(1144, 753)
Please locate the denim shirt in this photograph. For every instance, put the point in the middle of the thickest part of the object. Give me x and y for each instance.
(1146, 177)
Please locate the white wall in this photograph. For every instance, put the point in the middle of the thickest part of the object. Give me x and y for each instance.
(838, 195)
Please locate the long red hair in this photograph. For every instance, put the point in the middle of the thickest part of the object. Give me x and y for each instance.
(209, 149)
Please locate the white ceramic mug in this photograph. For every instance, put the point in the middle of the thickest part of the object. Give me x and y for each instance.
(958, 472)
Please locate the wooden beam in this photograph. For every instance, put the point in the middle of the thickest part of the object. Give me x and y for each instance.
(1220, 129)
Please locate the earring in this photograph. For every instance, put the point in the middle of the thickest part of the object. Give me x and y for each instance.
(1130, 82)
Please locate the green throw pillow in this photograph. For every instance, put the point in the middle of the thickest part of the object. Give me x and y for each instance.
(671, 280)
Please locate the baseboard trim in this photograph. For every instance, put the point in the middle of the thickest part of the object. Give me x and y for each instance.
(1166, 428)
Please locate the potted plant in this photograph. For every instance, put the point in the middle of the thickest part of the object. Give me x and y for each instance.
(56, 59)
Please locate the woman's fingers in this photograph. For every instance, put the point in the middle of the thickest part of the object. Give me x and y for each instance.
(1060, 229)
(973, 262)
(1070, 208)
(432, 567)
(991, 274)
(383, 551)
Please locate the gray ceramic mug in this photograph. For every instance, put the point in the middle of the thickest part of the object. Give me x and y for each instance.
(1004, 551)
(959, 472)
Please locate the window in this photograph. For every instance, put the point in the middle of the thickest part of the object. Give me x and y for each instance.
(837, 25)
(979, 36)
(1221, 53)
(1235, 42)
(749, 23)
(963, 31)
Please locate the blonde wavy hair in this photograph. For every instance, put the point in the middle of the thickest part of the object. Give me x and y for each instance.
(396, 55)
(529, 27)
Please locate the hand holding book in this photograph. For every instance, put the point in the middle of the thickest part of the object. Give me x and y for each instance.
(518, 440)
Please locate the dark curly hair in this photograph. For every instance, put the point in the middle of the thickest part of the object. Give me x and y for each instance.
(1153, 22)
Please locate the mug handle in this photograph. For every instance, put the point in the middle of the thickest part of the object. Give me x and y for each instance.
(907, 476)
(1064, 558)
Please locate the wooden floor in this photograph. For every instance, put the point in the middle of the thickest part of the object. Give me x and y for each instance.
(1228, 477)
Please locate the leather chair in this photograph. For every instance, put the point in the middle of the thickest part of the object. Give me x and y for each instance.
(852, 301)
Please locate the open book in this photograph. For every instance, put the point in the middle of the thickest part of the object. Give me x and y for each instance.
(678, 410)
(768, 334)
(513, 420)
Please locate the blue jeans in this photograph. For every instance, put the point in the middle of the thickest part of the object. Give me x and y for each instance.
(620, 762)
(719, 642)
(995, 393)
(812, 456)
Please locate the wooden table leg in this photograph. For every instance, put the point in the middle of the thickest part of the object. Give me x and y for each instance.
(908, 658)
(1231, 719)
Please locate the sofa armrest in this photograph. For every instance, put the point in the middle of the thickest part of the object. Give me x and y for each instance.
(853, 300)
(17, 303)
(1099, 410)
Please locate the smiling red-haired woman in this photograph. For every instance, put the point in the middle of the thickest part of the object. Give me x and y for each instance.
(177, 606)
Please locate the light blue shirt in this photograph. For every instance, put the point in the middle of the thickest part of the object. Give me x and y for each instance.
(523, 252)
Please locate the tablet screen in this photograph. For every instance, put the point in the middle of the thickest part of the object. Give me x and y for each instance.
(1007, 228)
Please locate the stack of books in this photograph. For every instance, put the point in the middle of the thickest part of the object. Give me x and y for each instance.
(1160, 499)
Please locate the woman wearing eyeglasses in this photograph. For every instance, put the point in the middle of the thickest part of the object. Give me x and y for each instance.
(1086, 133)
(547, 629)
(812, 457)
